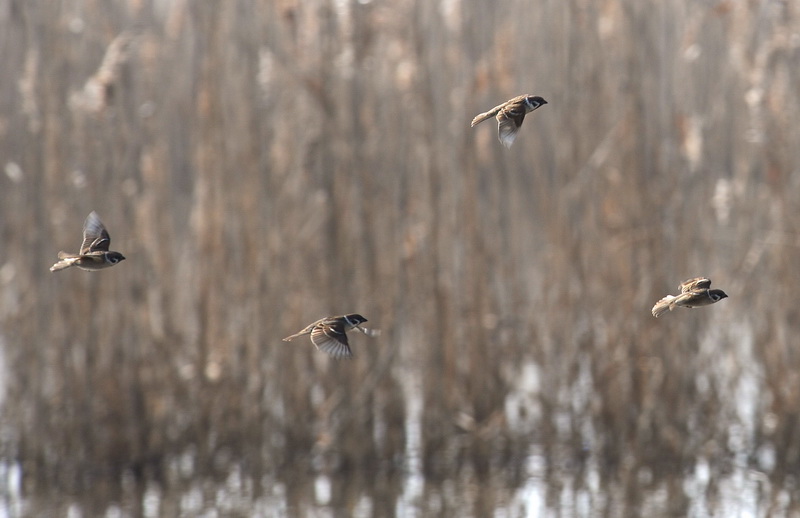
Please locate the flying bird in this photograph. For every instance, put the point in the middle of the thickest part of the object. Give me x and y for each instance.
(510, 115)
(695, 292)
(329, 334)
(94, 253)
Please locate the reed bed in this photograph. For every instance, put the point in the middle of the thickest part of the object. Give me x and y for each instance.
(264, 164)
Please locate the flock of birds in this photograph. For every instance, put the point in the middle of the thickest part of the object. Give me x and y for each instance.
(330, 334)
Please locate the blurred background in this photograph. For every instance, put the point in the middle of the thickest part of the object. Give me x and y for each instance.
(263, 164)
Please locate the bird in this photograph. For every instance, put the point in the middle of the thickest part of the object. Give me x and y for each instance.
(329, 334)
(510, 115)
(695, 292)
(94, 253)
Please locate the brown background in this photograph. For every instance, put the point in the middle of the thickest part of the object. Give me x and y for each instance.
(264, 164)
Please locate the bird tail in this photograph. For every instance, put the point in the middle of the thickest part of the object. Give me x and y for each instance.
(482, 117)
(65, 261)
(664, 305)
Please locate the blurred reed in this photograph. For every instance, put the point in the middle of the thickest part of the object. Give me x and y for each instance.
(264, 164)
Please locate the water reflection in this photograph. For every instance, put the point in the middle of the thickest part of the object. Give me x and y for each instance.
(742, 492)
(555, 480)
(547, 450)
(541, 454)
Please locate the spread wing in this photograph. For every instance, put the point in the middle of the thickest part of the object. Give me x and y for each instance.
(507, 128)
(509, 119)
(695, 284)
(95, 235)
(331, 338)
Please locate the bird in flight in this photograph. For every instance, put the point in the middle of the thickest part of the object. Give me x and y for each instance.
(510, 115)
(695, 292)
(330, 334)
(94, 253)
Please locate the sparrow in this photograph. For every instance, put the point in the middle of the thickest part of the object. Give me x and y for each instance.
(510, 115)
(94, 254)
(328, 334)
(695, 292)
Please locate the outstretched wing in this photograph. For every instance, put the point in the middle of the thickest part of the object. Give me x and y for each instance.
(510, 119)
(507, 128)
(95, 235)
(695, 284)
(331, 338)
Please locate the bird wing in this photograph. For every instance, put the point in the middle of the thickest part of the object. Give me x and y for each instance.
(95, 235)
(507, 129)
(332, 339)
(695, 284)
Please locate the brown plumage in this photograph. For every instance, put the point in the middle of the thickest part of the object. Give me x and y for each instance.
(94, 253)
(510, 115)
(695, 292)
(330, 334)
